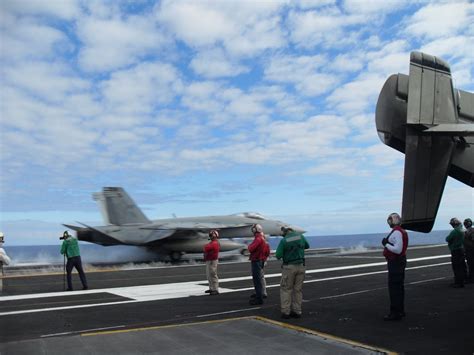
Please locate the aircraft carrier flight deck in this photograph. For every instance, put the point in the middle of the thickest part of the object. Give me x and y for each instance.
(164, 310)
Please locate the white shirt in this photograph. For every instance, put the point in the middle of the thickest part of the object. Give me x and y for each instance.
(396, 242)
(4, 258)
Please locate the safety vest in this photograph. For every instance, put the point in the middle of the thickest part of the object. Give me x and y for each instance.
(389, 255)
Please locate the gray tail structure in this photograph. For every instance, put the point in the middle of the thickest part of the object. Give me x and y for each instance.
(425, 117)
(118, 208)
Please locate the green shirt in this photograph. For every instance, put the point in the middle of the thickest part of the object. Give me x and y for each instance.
(70, 247)
(455, 239)
(291, 248)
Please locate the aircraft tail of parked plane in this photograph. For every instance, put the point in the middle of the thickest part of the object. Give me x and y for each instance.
(425, 117)
(127, 225)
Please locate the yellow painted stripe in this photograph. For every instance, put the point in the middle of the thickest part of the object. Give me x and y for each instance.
(165, 326)
(259, 318)
(327, 336)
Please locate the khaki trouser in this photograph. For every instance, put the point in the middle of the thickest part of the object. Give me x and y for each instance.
(211, 273)
(291, 286)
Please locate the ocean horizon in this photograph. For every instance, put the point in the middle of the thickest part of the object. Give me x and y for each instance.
(92, 253)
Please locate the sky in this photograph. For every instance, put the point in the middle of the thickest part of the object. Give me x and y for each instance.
(213, 107)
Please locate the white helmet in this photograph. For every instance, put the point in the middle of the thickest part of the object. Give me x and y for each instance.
(2, 236)
(257, 228)
(394, 219)
(454, 222)
(213, 233)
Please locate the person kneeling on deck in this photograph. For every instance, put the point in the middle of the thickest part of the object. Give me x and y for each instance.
(211, 257)
(395, 248)
(4, 260)
(291, 248)
(70, 248)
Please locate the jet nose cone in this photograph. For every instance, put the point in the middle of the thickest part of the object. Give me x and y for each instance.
(294, 228)
(298, 229)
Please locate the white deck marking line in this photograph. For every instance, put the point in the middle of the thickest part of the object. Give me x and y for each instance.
(171, 291)
(352, 293)
(232, 279)
(227, 312)
(423, 281)
(380, 288)
(80, 331)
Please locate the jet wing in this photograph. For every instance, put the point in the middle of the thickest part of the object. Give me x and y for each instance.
(197, 226)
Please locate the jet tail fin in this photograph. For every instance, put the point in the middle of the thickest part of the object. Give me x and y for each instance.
(118, 208)
(428, 156)
(427, 161)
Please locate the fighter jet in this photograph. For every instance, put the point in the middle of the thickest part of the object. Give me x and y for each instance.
(425, 117)
(173, 237)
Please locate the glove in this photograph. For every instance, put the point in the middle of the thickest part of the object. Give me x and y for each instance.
(384, 241)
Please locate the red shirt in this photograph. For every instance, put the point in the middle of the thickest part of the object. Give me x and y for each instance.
(211, 250)
(257, 248)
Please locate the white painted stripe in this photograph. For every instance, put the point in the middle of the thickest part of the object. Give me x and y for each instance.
(352, 293)
(423, 281)
(179, 290)
(232, 279)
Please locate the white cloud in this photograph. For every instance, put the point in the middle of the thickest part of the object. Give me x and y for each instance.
(64, 9)
(304, 72)
(214, 64)
(41, 79)
(441, 19)
(311, 29)
(114, 43)
(243, 28)
(25, 38)
(141, 88)
(357, 95)
(373, 6)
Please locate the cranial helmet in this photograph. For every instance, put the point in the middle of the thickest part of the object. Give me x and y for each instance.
(394, 219)
(66, 234)
(213, 234)
(454, 222)
(2, 236)
(467, 223)
(257, 228)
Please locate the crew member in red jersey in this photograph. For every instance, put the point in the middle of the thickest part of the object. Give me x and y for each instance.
(211, 257)
(395, 248)
(257, 258)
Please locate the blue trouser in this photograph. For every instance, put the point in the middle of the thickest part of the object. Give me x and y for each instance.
(76, 262)
(257, 267)
(396, 284)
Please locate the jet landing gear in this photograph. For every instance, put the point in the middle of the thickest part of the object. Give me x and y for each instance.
(175, 256)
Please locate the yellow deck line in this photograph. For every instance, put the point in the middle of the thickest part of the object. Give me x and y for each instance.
(327, 336)
(259, 318)
(165, 326)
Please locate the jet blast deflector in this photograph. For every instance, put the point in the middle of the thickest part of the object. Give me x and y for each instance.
(425, 117)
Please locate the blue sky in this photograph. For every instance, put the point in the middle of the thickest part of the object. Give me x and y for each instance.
(213, 107)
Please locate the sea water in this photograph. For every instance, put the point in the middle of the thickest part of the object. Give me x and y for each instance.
(92, 253)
